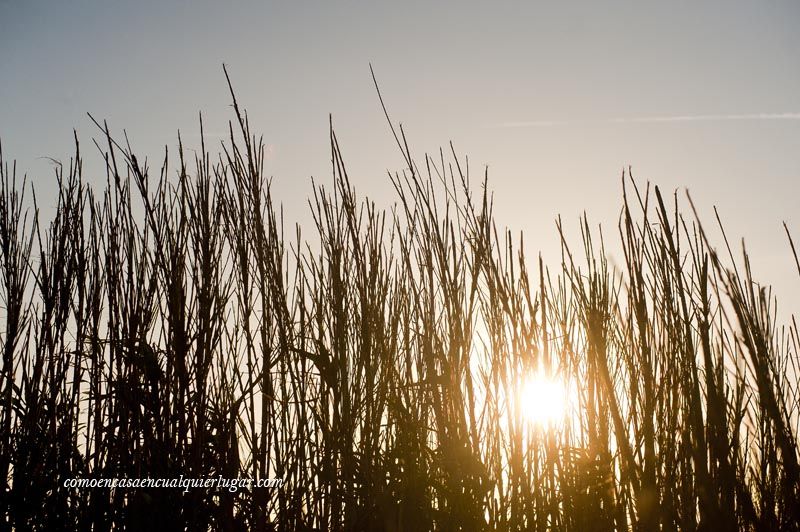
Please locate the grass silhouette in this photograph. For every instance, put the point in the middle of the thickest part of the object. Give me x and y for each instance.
(168, 327)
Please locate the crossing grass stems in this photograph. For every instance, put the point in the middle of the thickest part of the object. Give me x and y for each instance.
(169, 326)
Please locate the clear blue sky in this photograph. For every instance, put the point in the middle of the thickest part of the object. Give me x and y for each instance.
(555, 97)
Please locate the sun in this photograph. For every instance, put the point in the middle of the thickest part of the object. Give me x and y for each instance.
(543, 399)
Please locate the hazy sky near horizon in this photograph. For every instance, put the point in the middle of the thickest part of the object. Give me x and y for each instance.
(555, 97)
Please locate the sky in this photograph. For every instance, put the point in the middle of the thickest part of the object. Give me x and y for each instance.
(556, 98)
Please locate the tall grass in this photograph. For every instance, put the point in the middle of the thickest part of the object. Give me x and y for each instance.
(170, 326)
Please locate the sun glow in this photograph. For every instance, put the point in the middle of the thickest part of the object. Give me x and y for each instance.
(544, 399)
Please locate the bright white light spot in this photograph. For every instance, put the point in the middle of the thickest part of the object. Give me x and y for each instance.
(543, 400)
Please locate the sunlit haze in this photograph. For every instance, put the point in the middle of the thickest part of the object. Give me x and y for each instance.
(545, 400)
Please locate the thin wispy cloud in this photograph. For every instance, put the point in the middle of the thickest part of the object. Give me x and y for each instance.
(710, 118)
(656, 119)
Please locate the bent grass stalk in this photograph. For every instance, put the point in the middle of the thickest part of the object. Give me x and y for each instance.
(168, 327)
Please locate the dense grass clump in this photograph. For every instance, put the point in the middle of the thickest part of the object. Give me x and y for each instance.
(170, 327)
